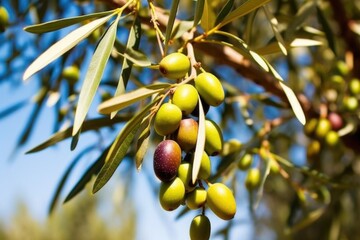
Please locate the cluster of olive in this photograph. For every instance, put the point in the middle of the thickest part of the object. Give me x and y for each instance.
(176, 120)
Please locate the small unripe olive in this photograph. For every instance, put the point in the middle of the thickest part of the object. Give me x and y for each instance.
(245, 161)
(186, 135)
(186, 98)
(322, 128)
(171, 194)
(332, 138)
(351, 103)
(210, 88)
(213, 138)
(71, 74)
(174, 66)
(252, 179)
(231, 146)
(185, 174)
(310, 126)
(167, 119)
(337, 80)
(4, 18)
(342, 68)
(313, 149)
(335, 120)
(167, 159)
(221, 201)
(196, 198)
(205, 167)
(354, 86)
(200, 228)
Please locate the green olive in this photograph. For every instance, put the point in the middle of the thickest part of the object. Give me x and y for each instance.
(213, 138)
(221, 201)
(205, 167)
(342, 68)
(310, 126)
(351, 103)
(322, 128)
(71, 74)
(332, 138)
(186, 98)
(313, 149)
(200, 228)
(171, 194)
(196, 198)
(210, 88)
(167, 119)
(186, 135)
(185, 174)
(231, 146)
(4, 18)
(354, 86)
(174, 66)
(252, 179)
(245, 161)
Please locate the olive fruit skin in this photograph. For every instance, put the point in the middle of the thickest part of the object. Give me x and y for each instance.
(205, 167)
(174, 66)
(200, 228)
(171, 194)
(186, 135)
(313, 149)
(71, 74)
(4, 18)
(210, 88)
(213, 138)
(252, 179)
(335, 120)
(310, 126)
(322, 128)
(167, 159)
(221, 201)
(245, 161)
(332, 138)
(185, 174)
(186, 98)
(351, 103)
(167, 119)
(196, 198)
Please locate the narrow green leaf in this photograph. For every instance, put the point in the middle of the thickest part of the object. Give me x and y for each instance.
(308, 219)
(208, 17)
(200, 143)
(92, 124)
(260, 190)
(133, 43)
(64, 45)
(75, 140)
(180, 28)
(274, 25)
(170, 23)
(136, 57)
(198, 12)
(301, 42)
(224, 11)
(242, 10)
(88, 174)
(94, 74)
(143, 142)
(13, 108)
(119, 148)
(327, 29)
(65, 22)
(124, 100)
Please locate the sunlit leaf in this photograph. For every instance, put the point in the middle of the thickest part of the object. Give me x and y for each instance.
(170, 23)
(181, 28)
(300, 42)
(62, 23)
(126, 99)
(64, 45)
(224, 11)
(208, 16)
(94, 74)
(143, 142)
(198, 11)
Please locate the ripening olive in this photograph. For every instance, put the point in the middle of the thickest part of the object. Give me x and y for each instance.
(210, 88)
(4, 18)
(335, 120)
(200, 228)
(185, 174)
(322, 128)
(351, 103)
(252, 179)
(186, 135)
(171, 194)
(205, 167)
(167, 119)
(221, 201)
(174, 66)
(213, 138)
(167, 159)
(313, 149)
(332, 138)
(186, 98)
(196, 198)
(71, 74)
(310, 126)
(245, 161)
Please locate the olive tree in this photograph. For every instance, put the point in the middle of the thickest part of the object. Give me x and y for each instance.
(219, 96)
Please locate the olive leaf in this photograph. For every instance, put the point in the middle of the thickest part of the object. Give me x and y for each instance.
(224, 11)
(143, 141)
(198, 12)
(208, 16)
(170, 23)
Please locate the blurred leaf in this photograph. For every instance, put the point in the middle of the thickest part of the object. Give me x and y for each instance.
(133, 43)
(142, 142)
(327, 29)
(198, 12)
(119, 148)
(92, 124)
(242, 10)
(74, 140)
(62, 23)
(200, 143)
(122, 101)
(13, 108)
(300, 42)
(136, 57)
(63, 45)
(260, 190)
(170, 23)
(208, 16)
(224, 11)
(308, 219)
(88, 174)
(94, 74)
(181, 28)
(65, 176)
(273, 47)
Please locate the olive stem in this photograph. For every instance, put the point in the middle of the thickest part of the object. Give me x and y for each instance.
(159, 36)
